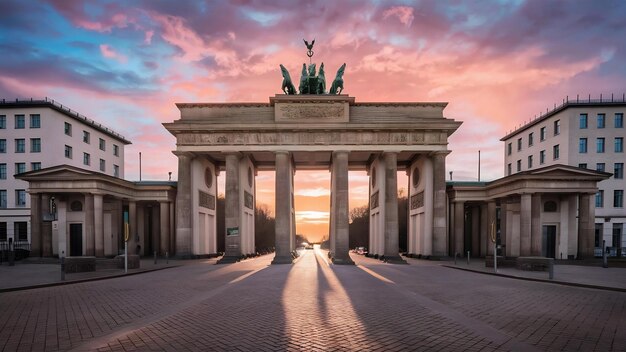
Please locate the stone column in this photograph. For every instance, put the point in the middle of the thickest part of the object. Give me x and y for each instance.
(535, 231)
(98, 224)
(283, 208)
(476, 243)
(459, 227)
(392, 241)
(232, 210)
(340, 236)
(525, 224)
(440, 244)
(35, 225)
(172, 223)
(491, 225)
(503, 224)
(183, 206)
(45, 229)
(132, 227)
(484, 230)
(89, 225)
(164, 218)
(586, 226)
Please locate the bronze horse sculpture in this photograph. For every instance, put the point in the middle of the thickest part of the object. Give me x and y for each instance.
(321, 81)
(287, 86)
(337, 86)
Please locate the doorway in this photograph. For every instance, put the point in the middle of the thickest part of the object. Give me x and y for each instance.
(549, 241)
(76, 240)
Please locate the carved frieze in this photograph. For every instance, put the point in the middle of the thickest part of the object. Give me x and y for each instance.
(374, 200)
(206, 200)
(311, 112)
(248, 200)
(417, 200)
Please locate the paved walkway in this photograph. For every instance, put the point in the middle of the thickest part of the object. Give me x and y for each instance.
(311, 305)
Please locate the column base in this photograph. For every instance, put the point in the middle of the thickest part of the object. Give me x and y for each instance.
(342, 261)
(282, 260)
(229, 259)
(393, 260)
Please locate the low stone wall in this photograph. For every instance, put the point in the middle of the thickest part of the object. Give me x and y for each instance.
(79, 264)
(534, 263)
(503, 262)
(133, 261)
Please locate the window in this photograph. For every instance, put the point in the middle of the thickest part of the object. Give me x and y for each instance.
(557, 127)
(508, 169)
(600, 145)
(3, 171)
(20, 198)
(519, 165)
(519, 144)
(103, 166)
(582, 122)
(35, 145)
(20, 167)
(20, 145)
(601, 118)
(582, 145)
(618, 198)
(3, 231)
(3, 198)
(86, 159)
(102, 144)
(530, 139)
(542, 157)
(600, 199)
(598, 234)
(35, 166)
(116, 171)
(542, 134)
(116, 150)
(619, 120)
(530, 161)
(3, 122)
(86, 137)
(619, 144)
(509, 148)
(35, 121)
(68, 129)
(20, 122)
(618, 170)
(555, 152)
(68, 152)
(3, 145)
(600, 167)
(21, 230)
(582, 166)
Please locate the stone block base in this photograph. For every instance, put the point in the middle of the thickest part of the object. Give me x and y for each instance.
(133, 261)
(79, 264)
(282, 260)
(534, 263)
(342, 261)
(503, 262)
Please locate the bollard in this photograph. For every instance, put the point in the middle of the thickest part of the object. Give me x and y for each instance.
(62, 268)
(495, 258)
(605, 259)
(468, 257)
(551, 269)
(167, 258)
(455, 255)
(155, 257)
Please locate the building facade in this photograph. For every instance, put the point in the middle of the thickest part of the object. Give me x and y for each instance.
(38, 134)
(587, 134)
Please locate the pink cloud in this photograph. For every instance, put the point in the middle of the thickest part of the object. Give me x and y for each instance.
(110, 53)
(403, 13)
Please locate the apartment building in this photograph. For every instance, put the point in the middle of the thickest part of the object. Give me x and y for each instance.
(588, 134)
(36, 134)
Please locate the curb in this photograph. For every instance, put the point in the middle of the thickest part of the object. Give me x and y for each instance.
(563, 283)
(70, 282)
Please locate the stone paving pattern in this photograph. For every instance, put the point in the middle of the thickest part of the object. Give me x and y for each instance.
(313, 306)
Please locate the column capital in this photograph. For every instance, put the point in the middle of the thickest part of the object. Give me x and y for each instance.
(239, 155)
(180, 154)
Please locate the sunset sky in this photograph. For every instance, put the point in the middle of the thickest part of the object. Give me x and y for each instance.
(497, 63)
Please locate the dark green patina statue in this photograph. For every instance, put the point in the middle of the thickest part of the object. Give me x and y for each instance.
(310, 82)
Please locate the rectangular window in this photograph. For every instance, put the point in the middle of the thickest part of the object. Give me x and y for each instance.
(619, 120)
(582, 166)
(86, 159)
(556, 152)
(542, 157)
(600, 145)
(3, 122)
(519, 144)
(600, 199)
(103, 165)
(509, 148)
(20, 122)
(557, 127)
(618, 170)
(583, 121)
(582, 145)
(3, 145)
(619, 144)
(519, 165)
(600, 167)
(3, 198)
(618, 198)
(35, 121)
(3, 171)
(68, 152)
(530, 161)
(21, 230)
(531, 139)
(116, 171)
(20, 198)
(598, 234)
(116, 150)
(20, 145)
(20, 167)
(35, 145)
(35, 166)
(542, 134)
(86, 137)
(601, 120)
(68, 129)
(508, 169)
(102, 144)
(3, 231)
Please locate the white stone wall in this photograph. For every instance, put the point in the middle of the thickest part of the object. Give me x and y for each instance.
(204, 240)
(420, 223)
(377, 215)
